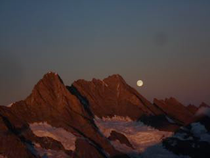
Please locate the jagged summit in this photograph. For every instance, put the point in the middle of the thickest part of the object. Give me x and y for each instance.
(47, 89)
(115, 80)
(58, 119)
(52, 104)
(173, 108)
(192, 108)
(51, 77)
(114, 77)
(113, 96)
(170, 100)
(204, 105)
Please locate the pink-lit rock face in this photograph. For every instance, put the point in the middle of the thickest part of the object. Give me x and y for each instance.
(112, 96)
(204, 105)
(174, 110)
(192, 108)
(51, 102)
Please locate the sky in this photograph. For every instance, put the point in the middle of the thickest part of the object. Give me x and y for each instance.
(166, 43)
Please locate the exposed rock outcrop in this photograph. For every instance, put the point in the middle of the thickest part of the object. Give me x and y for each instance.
(112, 96)
(192, 108)
(120, 137)
(175, 110)
(53, 103)
(56, 119)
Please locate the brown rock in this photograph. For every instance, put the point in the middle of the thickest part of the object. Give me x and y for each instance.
(160, 122)
(13, 144)
(120, 137)
(192, 108)
(52, 102)
(204, 105)
(112, 96)
(174, 109)
(84, 149)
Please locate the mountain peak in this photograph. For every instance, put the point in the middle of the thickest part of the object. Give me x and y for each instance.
(52, 76)
(172, 100)
(173, 108)
(48, 88)
(115, 94)
(50, 81)
(204, 105)
(114, 77)
(192, 108)
(115, 81)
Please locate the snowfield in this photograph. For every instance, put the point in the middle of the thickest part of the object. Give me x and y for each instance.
(44, 129)
(145, 140)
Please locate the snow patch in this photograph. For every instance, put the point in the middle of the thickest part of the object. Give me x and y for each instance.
(169, 120)
(200, 131)
(10, 106)
(139, 135)
(104, 83)
(50, 72)
(118, 92)
(44, 129)
(115, 118)
(48, 153)
(145, 140)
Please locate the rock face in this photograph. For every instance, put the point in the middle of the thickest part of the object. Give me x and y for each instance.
(59, 121)
(52, 102)
(112, 96)
(175, 110)
(192, 108)
(83, 148)
(120, 137)
(204, 105)
(192, 140)
(161, 122)
(13, 143)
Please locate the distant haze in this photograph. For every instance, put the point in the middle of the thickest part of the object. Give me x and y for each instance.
(166, 43)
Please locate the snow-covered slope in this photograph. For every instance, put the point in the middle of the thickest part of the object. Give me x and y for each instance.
(44, 129)
(145, 140)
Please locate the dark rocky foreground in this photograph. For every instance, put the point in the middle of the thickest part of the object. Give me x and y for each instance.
(56, 120)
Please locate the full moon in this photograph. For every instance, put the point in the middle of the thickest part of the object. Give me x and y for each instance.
(139, 83)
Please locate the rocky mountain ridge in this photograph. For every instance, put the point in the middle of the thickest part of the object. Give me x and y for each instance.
(56, 120)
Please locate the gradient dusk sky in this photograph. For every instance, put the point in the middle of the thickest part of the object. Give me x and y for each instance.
(166, 43)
